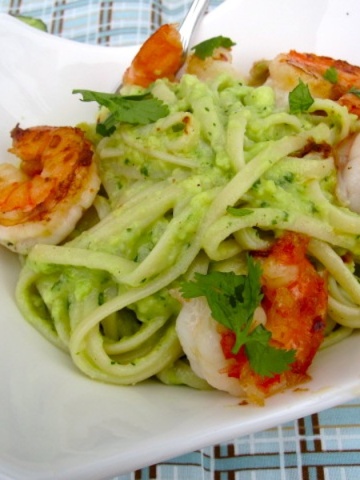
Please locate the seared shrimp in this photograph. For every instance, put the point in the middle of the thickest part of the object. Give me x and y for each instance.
(161, 56)
(293, 310)
(348, 172)
(210, 67)
(41, 201)
(325, 76)
(333, 79)
(201, 341)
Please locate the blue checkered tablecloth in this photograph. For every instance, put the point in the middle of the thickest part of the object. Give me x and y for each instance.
(323, 446)
(105, 22)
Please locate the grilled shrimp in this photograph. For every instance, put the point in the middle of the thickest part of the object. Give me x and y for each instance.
(285, 71)
(293, 310)
(42, 200)
(325, 76)
(209, 68)
(348, 172)
(161, 56)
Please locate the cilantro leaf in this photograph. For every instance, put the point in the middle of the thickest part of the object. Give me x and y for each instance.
(136, 110)
(206, 48)
(232, 300)
(223, 291)
(265, 359)
(331, 74)
(300, 99)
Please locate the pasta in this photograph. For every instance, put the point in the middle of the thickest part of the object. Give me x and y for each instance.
(109, 294)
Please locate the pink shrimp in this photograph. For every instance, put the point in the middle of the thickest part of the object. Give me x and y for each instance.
(286, 69)
(210, 67)
(347, 156)
(161, 56)
(41, 201)
(337, 80)
(293, 310)
(295, 304)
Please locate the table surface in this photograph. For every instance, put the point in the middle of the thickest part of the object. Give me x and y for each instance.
(323, 446)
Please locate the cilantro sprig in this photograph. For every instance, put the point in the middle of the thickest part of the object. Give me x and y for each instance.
(136, 109)
(206, 48)
(232, 300)
(300, 98)
(331, 75)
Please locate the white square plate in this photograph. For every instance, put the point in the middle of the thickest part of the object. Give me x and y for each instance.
(57, 424)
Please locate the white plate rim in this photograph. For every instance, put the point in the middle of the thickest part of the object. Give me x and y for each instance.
(205, 418)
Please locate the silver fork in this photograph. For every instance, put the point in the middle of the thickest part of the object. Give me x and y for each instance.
(190, 23)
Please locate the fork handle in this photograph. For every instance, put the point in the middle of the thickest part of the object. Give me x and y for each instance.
(189, 24)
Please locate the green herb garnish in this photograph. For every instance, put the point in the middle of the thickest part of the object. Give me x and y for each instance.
(232, 300)
(206, 48)
(33, 22)
(300, 99)
(136, 109)
(331, 74)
